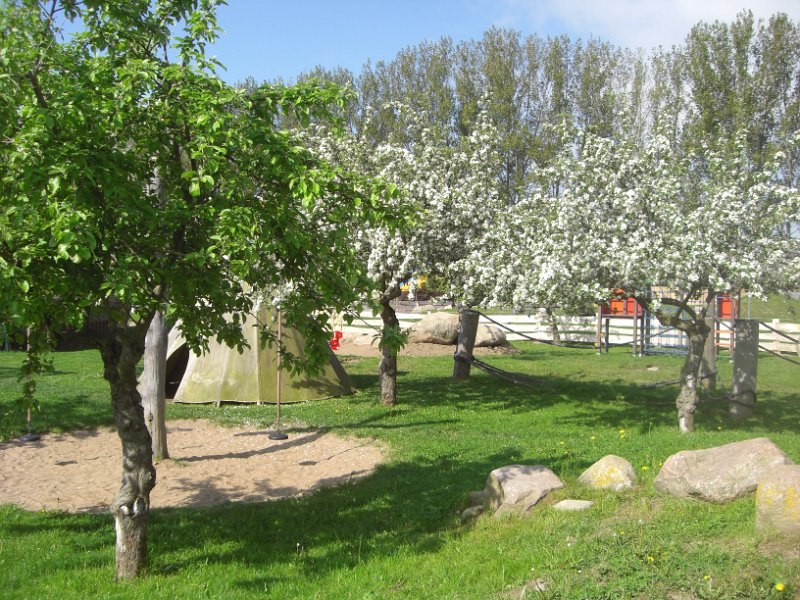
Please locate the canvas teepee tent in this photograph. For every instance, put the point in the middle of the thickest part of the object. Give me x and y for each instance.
(224, 375)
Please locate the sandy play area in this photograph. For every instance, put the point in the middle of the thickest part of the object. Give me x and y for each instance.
(80, 470)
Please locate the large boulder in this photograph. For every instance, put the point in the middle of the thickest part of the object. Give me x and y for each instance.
(778, 502)
(435, 328)
(442, 328)
(490, 336)
(513, 489)
(610, 472)
(719, 474)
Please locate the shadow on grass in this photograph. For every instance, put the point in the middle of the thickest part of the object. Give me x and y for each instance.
(68, 413)
(593, 398)
(404, 507)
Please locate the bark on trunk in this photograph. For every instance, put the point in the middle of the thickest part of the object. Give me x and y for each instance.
(152, 385)
(687, 397)
(692, 323)
(553, 322)
(121, 352)
(388, 367)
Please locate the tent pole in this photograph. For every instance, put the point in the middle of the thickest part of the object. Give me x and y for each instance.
(278, 434)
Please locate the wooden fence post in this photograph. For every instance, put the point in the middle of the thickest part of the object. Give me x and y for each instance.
(708, 366)
(599, 337)
(467, 332)
(745, 367)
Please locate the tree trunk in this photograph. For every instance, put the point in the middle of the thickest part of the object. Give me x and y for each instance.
(687, 397)
(152, 385)
(553, 322)
(121, 352)
(388, 366)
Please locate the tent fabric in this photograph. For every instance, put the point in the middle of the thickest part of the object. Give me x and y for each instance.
(222, 374)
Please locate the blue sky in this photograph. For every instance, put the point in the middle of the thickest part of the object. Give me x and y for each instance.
(267, 39)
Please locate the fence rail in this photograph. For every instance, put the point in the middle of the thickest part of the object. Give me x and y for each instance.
(774, 336)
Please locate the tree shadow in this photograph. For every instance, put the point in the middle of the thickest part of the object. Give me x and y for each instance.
(67, 413)
(404, 506)
(595, 402)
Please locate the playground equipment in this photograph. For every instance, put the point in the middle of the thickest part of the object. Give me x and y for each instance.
(649, 336)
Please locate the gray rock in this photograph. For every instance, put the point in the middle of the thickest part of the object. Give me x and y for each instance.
(435, 328)
(424, 308)
(473, 512)
(573, 505)
(506, 510)
(719, 474)
(490, 336)
(610, 472)
(519, 486)
(778, 502)
(477, 498)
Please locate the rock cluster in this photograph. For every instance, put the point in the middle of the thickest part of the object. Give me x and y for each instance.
(719, 475)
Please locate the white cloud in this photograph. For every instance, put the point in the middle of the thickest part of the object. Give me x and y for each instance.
(632, 23)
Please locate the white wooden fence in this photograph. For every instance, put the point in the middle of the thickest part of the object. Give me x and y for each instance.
(584, 329)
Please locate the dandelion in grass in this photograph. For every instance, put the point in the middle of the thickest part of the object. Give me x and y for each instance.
(651, 559)
(645, 468)
(593, 438)
(706, 577)
(779, 587)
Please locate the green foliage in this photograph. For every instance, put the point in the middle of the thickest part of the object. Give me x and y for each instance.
(126, 179)
(397, 533)
(392, 338)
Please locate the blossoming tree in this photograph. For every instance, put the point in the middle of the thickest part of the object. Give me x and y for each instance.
(451, 193)
(630, 218)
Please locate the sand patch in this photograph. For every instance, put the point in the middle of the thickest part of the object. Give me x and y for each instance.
(80, 471)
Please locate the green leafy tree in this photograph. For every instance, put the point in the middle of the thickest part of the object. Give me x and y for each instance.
(87, 123)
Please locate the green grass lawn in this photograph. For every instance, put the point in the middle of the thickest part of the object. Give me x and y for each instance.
(777, 306)
(397, 534)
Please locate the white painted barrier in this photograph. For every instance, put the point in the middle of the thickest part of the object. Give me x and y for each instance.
(575, 329)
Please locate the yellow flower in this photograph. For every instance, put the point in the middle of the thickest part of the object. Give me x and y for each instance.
(594, 437)
(561, 443)
(706, 577)
(650, 559)
(779, 587)
(622, 432)
(645, 467)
